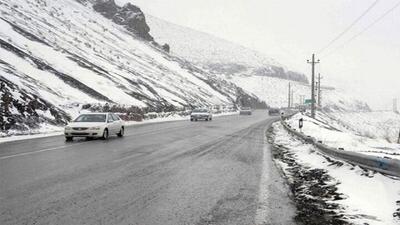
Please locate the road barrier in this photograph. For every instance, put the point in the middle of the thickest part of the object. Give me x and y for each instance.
(379, 164)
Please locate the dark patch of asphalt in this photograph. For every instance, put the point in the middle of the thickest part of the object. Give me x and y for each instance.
(166, 173)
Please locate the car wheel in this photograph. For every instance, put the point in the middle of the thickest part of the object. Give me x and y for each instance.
(195, 120)
(69, 138)
(121, 132)
(105, 134)
(206, 119)
(210, 118)
(191, 120)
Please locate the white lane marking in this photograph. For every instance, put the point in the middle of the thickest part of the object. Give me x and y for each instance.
(262, 209)
(39, 151)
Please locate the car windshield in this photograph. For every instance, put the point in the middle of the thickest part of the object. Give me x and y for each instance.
(245, 108)
(91, 118)
(200, 110)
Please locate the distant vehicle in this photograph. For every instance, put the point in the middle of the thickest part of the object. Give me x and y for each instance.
(201, 114)
(245, 111)
(274, 112)
(95, 125)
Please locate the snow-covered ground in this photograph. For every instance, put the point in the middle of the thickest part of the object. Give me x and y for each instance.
(335, 134)
(383, 125)
(347, 193)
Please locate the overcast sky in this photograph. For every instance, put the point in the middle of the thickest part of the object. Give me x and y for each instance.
(291, 30)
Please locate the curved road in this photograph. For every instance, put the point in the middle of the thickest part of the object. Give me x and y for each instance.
(163, 173)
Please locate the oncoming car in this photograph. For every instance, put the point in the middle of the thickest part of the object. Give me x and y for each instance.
(95, 125)
(273, 112)
(201, 114)
(245, 111)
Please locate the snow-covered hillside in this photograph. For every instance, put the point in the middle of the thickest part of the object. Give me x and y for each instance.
(217, 55)
(274, 92)
(248, 69)
(59, 54)
(378, 125)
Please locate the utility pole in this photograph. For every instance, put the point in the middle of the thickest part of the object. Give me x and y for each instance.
(289, 94)
(292, 99)
(313, 62)
(319, 90)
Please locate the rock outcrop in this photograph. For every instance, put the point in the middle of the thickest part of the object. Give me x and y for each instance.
(129, 15)
(23, 111)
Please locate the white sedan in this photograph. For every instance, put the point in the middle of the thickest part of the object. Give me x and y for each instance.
(201, 114)
(95, 125)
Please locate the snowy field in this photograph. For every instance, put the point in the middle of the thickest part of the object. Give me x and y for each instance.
(342, 193)
(351, 138)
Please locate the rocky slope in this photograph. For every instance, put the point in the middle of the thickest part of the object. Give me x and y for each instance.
(129, 16)
(61, 54)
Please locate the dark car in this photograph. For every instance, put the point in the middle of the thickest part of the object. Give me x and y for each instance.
(273, 112)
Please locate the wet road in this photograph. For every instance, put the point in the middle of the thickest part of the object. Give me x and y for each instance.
(166, 173)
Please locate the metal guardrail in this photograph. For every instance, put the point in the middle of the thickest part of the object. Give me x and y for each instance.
(379, 164)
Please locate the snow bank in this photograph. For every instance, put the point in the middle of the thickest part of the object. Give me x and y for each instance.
(365, 197)
(334, 134)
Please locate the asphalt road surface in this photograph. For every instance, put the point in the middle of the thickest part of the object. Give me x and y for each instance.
(165, 173)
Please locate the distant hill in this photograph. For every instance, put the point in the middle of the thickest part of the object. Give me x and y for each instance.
(217, 55)
(58, 57)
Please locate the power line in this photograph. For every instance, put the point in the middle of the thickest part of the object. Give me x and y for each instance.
(349, 27)
(365, 29)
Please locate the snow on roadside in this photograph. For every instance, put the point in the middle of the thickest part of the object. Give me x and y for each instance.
(357, 196)
(335, 134)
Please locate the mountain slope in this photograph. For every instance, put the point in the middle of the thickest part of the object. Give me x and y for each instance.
(63, 54)
(248, 69)
(217, 55)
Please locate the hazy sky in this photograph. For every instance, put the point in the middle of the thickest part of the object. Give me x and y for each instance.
(291, 30)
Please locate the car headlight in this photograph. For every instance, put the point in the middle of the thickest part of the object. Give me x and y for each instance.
(95, 128)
